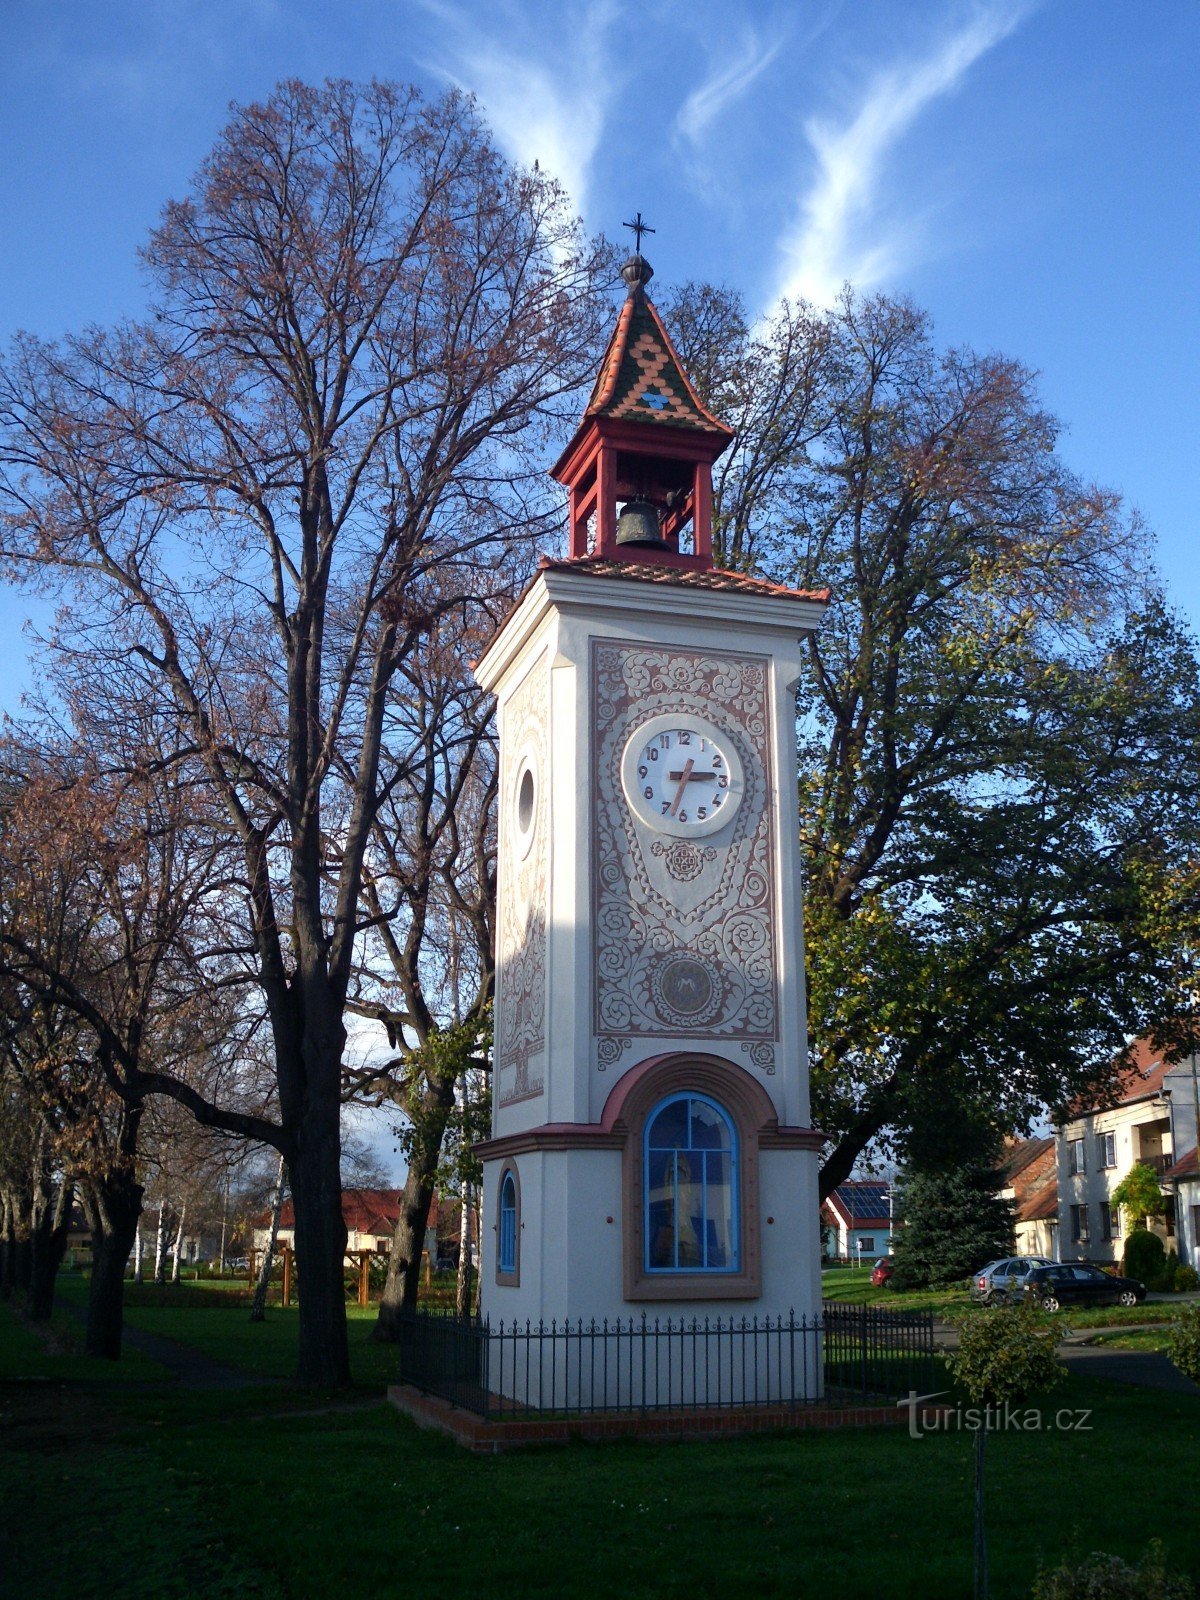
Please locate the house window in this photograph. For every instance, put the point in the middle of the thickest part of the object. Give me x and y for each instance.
(1079, 1224)
(508, 1228)
(1106, 1221)
(1076, 1158)
(866, 1246)
(690, 1195)
(1106, 1149)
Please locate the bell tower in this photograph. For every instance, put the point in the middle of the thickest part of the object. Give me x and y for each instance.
(651, 1148)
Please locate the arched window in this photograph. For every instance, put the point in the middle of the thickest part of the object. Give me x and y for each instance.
(690, 1202)
(509, 1222)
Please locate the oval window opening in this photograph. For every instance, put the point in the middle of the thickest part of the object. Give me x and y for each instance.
(525, 801)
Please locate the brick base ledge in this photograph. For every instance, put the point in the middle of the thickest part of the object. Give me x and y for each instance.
(486, 1437)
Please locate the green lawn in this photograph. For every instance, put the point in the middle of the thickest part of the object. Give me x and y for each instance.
(110, 1488)
(852, 1285)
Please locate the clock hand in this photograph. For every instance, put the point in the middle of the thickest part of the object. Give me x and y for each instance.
(684, 778)
(694, 777)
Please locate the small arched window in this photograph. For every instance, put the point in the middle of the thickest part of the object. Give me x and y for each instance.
(506, 1258)
(690, 1204)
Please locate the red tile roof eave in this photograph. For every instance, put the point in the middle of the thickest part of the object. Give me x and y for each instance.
(1041, 1206)
(1185, 1167)
(714, 579)
(1137, 1083)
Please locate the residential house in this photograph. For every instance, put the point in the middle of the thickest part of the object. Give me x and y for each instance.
(1151, 1120)
(856, 1220)
(370, 1216)
(1030, 1173)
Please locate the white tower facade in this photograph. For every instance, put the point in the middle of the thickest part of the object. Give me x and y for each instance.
(651, 1146)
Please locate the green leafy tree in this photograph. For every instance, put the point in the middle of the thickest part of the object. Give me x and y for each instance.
(1139, 1195)
(1003, 1357)
(997, 894)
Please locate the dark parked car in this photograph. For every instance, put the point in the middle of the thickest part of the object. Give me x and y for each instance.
(1000, 1279)
(1063, 1285)
(882, 1271)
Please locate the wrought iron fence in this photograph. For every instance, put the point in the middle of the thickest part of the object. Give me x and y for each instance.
(846, 1355)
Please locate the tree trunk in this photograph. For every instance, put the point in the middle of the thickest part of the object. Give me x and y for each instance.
(177, 1252)
(160, 1243)
(114, 1204)
(981, 1571)
(315, 1171)
(258, 1311)
(138, 1250)
(51, 1225)
(8, 1244)
(118, 1205)
(404, 1263)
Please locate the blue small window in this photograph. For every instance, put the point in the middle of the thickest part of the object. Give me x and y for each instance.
(691, 1185)
(507, 1261)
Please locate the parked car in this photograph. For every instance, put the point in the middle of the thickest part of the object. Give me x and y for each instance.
(882, 1271)
(1070, 1285)
(1000, 1280)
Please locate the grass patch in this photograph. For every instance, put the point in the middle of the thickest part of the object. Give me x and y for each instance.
(1135, 1339)
(269, 1348)
(852, 1286)
(249, 1493)
(54, 1350)
(272, 1506)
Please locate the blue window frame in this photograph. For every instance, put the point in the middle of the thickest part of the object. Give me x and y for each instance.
(690, 1184)
(507, 1261)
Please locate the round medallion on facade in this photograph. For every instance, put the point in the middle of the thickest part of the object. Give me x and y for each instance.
(682, 775)
(686, 991)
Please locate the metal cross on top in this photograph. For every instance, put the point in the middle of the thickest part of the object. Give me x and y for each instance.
(638, 228)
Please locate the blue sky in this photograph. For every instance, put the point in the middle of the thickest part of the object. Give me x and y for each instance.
(1027, 172)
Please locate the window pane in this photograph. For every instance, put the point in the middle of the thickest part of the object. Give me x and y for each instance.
(708, 1128)
(719, 1231)
(668, 1131)
(660, 1211)
(690, 1203)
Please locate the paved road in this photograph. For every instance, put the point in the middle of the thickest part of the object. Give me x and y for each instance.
(1148, 1369)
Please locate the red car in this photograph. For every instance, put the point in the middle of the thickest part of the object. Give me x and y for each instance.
(882, 1271)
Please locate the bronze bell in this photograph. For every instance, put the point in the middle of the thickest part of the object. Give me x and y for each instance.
(638, 524)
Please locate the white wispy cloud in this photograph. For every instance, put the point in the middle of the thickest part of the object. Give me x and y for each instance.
(545, 81)
(839, 235)
(726, 85)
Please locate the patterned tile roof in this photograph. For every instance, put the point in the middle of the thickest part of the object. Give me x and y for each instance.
(642, 377)
(688, 577)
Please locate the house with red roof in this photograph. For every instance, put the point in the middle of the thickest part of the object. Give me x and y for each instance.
(1150, 1119)
(1030, 1182)
(370, 1216)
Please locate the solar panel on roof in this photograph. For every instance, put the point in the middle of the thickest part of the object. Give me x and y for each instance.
(864, 1199)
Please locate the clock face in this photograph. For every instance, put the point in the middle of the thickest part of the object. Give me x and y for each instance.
(681, 775)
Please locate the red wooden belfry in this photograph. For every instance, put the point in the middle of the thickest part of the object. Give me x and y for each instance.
(645, 440)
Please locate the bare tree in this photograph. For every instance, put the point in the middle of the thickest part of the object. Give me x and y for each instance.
(264, 496)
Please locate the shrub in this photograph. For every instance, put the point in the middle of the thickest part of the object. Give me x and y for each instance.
(1184, 1341)
(1004, 1354)
(1145, 1258)
(1186, 1279)
(1104, 1577)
